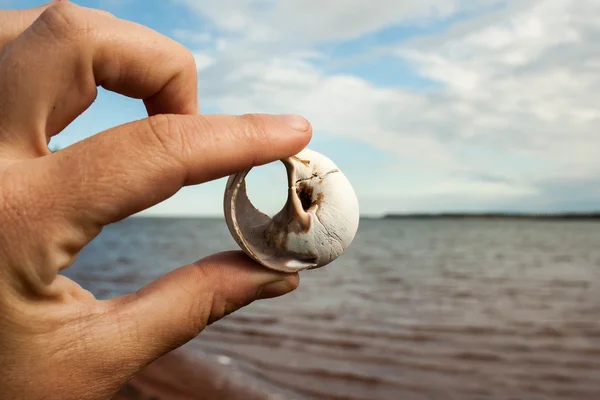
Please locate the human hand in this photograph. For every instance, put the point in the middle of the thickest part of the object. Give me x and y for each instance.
(56, 340)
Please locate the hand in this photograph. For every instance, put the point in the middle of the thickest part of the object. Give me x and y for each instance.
(56, 340)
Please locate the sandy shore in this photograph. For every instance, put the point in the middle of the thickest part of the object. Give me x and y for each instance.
(179, 377)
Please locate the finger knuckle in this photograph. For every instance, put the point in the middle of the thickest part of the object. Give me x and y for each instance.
(199, 313)
(188, 61)
(104, 13)
(63, 20)
(13, 196)
(251, 130)
(168, 134)
(180, 54)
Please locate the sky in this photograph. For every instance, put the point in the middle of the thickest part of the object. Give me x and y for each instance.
(425, 105)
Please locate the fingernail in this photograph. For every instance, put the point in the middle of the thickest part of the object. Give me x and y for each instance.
(295, 122)
(274, 289)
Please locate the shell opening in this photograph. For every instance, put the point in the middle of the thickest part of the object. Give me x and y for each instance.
(305, 194)
(267, 188)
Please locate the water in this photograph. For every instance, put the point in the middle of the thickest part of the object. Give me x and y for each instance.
(415, 309)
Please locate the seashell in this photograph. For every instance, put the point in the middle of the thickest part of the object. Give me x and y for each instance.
(317, 223)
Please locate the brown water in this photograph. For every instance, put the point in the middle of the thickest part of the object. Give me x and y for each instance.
(414, 310)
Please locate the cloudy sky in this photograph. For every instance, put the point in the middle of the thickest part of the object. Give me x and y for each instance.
(426, 105)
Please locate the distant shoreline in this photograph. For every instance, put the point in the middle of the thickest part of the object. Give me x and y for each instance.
(498, 215)
(567, 216)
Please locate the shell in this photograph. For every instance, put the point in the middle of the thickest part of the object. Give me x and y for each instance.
(317, 223)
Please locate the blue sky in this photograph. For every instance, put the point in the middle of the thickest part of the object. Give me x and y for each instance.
(426, 105)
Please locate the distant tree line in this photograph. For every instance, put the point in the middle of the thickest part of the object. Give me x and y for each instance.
(499, 215)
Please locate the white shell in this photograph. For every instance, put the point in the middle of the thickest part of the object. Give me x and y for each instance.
(318, 222)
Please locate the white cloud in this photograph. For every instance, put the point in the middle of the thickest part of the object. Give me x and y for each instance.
(528, 83)
(322, 20)
(518, 101)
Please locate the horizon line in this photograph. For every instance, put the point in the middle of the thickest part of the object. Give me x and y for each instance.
(427, 215)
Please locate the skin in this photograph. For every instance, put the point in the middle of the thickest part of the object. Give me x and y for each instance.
(56, 340)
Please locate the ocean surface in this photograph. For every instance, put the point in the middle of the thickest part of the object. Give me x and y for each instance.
(415, 309)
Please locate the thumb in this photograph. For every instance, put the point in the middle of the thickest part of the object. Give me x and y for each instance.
(177, 307)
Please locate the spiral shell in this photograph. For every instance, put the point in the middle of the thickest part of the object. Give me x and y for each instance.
(318, 222)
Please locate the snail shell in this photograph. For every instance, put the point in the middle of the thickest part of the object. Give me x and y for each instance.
(316, 225)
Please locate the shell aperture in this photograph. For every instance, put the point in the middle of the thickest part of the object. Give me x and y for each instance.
(317, 223)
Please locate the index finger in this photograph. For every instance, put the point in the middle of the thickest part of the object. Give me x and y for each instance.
(127, 169)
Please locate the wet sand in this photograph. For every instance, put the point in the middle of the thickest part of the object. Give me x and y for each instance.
(415, 310)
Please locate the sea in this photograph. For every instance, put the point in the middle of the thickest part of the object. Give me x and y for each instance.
(414, 309)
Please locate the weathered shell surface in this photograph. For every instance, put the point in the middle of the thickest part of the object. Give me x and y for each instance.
(316, 225)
